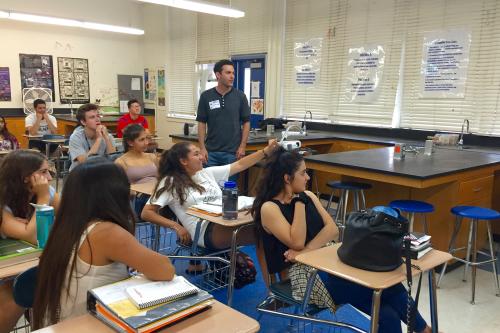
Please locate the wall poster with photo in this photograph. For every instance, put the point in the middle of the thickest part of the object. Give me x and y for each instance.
(5, 93)
(73, 80)
(37, 71)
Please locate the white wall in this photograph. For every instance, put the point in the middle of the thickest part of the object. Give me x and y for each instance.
(108, 53)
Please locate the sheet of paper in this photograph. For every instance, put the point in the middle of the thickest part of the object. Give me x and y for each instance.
(135, 83)
(255, 89)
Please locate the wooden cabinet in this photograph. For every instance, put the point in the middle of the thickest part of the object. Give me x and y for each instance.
(470, 191)
(16, 127)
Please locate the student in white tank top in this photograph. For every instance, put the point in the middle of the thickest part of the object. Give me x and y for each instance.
(91, 243)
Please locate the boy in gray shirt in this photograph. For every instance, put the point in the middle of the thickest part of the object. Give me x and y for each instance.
(90, 139)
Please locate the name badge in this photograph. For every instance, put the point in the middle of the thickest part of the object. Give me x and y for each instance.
(214, 104)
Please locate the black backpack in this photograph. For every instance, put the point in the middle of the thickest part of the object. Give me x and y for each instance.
(245, 270)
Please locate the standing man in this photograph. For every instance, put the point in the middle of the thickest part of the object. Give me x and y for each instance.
(132, 117)
(225, 111)
(90, 139)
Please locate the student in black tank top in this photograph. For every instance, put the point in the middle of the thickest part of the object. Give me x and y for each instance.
(291, 221)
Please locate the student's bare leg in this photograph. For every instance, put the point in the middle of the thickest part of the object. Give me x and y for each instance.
(10, 312)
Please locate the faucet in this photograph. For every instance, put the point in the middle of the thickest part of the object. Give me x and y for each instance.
(461, 141)
(304, 130)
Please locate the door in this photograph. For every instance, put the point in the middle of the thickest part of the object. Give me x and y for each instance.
(250, 75)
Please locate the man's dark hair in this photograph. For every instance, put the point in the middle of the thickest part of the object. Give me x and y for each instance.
(219, 64)
(37, 102)
(132, 101)
(80, 113)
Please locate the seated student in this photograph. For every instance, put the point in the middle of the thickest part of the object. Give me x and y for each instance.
(40, 123)
(7, 140)
(184, 182)
(91, 138)
(91, 244)
(140, 167)
(291, 221)
(24, 175)
(132, 117)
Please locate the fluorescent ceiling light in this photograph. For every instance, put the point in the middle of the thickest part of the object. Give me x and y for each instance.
(200, 6)
(69, 23)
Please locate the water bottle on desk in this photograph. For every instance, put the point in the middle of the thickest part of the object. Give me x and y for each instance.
(44, 220)
(230, 201)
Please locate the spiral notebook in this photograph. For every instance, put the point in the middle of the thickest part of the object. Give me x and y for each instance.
(154, 293)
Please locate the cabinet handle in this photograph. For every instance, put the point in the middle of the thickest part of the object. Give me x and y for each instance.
(477, 189)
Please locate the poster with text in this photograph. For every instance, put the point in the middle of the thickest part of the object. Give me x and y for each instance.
(37, 71)
(307, 62)
(73, 80)
(5, 94)
(364, 73)
(445, 60)
(149, 85)
(161, 87)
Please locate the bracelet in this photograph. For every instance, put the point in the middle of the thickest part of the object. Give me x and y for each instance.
(264, 152)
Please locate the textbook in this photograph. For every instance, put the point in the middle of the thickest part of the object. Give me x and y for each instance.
(419, 254)
(215, 207)
(418, 238)
(153, 293)
(112, 305)
(14, 251)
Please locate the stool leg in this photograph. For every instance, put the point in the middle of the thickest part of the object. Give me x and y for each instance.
(469, 249)
(338, 214)
(426, 228)
(412, 220)
(329, 202)
(363, 199)
(355, 201)
(474, 259)
(494, 262)
(456, 229)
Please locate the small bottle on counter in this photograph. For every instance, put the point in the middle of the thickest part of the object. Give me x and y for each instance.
(399, 151)
(429, 147)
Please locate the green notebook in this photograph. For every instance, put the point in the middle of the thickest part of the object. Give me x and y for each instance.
(15, 251)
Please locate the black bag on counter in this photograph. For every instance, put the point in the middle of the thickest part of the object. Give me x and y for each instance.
(373, 241)
(277, 122)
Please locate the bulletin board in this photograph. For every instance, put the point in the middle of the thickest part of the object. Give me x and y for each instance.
(73, 80)
(130, 87)
(37, 71)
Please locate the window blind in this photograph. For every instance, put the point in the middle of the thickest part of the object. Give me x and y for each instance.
(482, 86)
(212, 33)
(181, 69)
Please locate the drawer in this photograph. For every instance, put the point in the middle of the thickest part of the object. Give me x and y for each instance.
(473, 190)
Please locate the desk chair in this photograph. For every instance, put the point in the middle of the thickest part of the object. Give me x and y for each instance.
(280, 298)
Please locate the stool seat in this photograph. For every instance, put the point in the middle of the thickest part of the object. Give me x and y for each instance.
(474, 212)
(412, 206)
(340, 185)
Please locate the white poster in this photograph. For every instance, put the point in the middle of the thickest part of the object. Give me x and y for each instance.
(307, 62)
(445, 60)
(364, 74)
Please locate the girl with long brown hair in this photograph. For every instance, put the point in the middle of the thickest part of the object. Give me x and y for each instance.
(184, 182)
(91, 243)
(24, 179)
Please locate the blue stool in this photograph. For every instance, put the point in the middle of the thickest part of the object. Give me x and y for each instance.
(358, 196)
(412, 207)
(475, 214)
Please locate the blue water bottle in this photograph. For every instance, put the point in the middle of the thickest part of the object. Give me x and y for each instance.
(230, 201)
(44, 222)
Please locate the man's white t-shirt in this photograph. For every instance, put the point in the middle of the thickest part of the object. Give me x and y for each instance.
(44, 128)
(209, 179)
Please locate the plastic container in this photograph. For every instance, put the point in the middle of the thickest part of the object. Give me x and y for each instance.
(399, 151)
(429, 147)
(44, 222)
(230, 201)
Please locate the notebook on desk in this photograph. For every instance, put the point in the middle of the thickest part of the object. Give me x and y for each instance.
(112, 305)
(214, 208)
(14, 252)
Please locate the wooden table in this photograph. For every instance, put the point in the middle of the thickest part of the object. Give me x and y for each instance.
(146, 188)
(220, 318)
(16, 269)
(327, 260)
(243, 221)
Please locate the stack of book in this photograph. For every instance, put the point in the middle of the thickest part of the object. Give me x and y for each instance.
(420, 244)
(140, 305)
(15, 252)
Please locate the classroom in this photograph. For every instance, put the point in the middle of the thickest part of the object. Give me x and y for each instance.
(243, 152)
